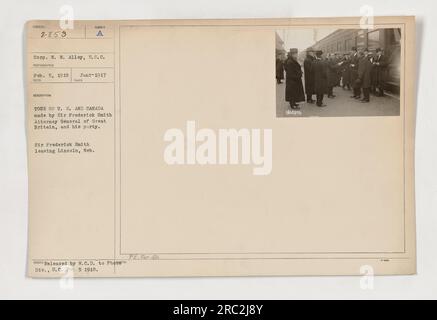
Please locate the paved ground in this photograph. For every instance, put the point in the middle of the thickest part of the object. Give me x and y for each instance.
(341, 106)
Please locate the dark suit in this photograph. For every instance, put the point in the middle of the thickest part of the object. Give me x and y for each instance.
(353, 67)
(320, 79)
(346, 74)
(309, 77)
(332, 76)
(365, 76)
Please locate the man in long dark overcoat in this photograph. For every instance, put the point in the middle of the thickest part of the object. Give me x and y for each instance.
(309, 75)
(320, 78)
(365, 75)
(294, 92)
(353, 67)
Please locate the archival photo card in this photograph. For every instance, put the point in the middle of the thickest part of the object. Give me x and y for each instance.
(168, 148)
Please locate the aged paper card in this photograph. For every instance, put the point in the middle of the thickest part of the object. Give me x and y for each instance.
(221, 147)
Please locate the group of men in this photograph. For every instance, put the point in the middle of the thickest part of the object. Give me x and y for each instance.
(360, 71)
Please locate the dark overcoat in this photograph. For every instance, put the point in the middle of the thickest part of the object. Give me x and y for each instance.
(320, 76)
(346, 72)
(279, 69)
(309, 75)
(332, 73)
(365, 73)
(293, 82)
(353, 69)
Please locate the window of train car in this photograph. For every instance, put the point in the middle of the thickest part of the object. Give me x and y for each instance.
(374, 40)
(393, 52)
(395, 37)
(349, 43)
(361, 39)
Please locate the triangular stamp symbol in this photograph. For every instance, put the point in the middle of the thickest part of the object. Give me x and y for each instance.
(99, 34)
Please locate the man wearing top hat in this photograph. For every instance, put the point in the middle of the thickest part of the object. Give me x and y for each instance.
(294, 92)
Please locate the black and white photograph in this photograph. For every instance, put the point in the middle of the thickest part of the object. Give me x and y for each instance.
(338, 72)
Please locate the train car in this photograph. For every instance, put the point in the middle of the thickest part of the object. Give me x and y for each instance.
(342, 41)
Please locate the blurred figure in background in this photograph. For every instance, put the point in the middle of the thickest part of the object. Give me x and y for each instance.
(279, 70)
